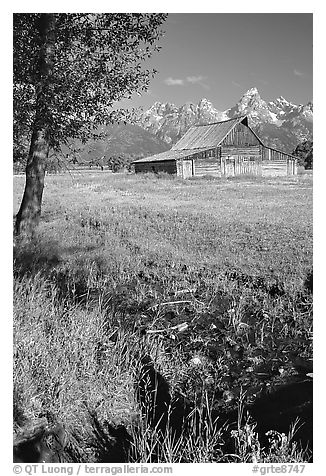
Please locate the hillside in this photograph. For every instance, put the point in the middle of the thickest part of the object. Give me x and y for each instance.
(126, 139)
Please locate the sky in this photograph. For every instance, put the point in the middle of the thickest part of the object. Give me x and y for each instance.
(220, 56)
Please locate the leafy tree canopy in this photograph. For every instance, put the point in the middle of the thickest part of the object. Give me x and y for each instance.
(304, 152)
(97, 61)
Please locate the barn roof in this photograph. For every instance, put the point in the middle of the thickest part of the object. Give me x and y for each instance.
(169, 155)
(210, 135)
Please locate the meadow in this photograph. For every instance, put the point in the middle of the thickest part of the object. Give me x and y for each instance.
(210, 277)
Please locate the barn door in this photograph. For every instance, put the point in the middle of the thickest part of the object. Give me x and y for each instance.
(187, 169)
(229, 166)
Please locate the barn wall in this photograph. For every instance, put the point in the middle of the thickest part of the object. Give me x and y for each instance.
(273, 169)
(241, 160)
(240, 135)
(277, 163)
(207, 167)
(229, 161)
(168, 166)
(240, 165)
(274, 155)
(207, 162)
(254, 151)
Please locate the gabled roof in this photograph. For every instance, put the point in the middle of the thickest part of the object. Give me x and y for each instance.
(210, 135)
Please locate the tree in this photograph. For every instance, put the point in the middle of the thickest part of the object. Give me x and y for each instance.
(69, 71)
(120, 162)
(304, 152)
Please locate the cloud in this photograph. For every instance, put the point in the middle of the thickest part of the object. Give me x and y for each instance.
(174, 82)
(189, 79)
(195, 79)
(236, 84)
(198, 80)
(298, 73)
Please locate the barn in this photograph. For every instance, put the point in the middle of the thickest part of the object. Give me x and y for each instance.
(226, 148)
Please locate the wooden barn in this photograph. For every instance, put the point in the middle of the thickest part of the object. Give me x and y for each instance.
(225, 148)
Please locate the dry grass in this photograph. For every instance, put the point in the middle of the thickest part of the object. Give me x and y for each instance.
(116, 254)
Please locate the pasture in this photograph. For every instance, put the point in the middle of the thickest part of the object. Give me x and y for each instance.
(211, 277)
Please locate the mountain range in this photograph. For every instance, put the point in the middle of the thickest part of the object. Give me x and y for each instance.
(279, 123)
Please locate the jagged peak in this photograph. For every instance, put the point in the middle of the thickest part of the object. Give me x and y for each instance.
(250, 101)
(188, 103)
(160, 107)
(188, 106)
(252, 92)
(283, 101)
(251, 97)
(205, 101)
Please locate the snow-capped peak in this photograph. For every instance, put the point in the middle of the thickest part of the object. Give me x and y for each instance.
(204, 101)
(205, 104)
(251, 92)
(281, 101)
(250, 102)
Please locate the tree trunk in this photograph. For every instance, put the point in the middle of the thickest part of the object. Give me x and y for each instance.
(28, 217)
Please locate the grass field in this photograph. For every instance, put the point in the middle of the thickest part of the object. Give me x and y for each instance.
(211, 277)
